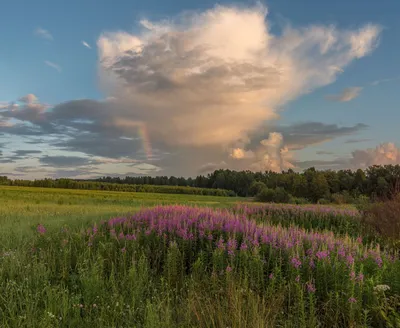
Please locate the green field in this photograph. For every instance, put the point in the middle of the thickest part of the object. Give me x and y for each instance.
(23, 208)
(227, 262)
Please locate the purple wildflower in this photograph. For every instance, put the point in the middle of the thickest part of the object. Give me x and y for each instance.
(220, 244)
(296, 262)
(310, 287)
(297, 279)
(123, 250)
(352, 300)
(41, 229)
(228, 269)
(243, 246)
(360, 277)
(349, 259)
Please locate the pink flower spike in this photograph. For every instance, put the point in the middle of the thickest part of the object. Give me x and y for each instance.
(41, 229)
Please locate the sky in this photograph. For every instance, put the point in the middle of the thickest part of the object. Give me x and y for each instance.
(92, 88)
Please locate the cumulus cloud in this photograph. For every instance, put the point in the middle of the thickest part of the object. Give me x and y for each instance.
(53, 65)
(346, 95)
(194, 89)
(84, 43)
(42, 33)
(385, 153)
(28, 99)
(272, 154)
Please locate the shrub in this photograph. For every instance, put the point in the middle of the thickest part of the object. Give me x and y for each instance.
(266, 195)
(281, 195)
(384, 218)
(298, 200)
(323, 201)
(256, 187)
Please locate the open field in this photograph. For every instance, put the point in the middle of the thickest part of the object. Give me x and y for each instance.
(71, 258)
(22, 208)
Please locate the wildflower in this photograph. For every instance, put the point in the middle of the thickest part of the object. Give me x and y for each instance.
(296, 262)
(349, 259)
(271, 276)
(352, 300)
(312, 264)
(310, 287)
(378, 261)
(352, 275)
(228, 269)
(243, 246)
(381, 288)
(121, 235)
(123, 250)
(41, 229)
(360, 277)
(220, 244)
(297, 279)
(322, 255)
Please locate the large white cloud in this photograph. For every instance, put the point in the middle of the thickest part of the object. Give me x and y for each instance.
(211, 78)
(200, 85)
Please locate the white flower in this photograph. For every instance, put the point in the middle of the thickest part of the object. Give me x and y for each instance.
(381, 288)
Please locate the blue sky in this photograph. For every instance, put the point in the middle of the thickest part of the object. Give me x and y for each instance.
(46, 31)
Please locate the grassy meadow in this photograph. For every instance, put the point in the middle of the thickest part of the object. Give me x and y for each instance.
(73, 258)
(23, 208)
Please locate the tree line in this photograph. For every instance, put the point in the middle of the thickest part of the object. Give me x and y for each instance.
(311, 185)
(96, 185)
(377, 181)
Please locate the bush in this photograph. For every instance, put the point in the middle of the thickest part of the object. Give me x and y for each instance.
(342, 198)
(323, 201)
(298, 200)
(278, 195)
(266, 195)
(384, 218)
(256, 187)
(281, 195)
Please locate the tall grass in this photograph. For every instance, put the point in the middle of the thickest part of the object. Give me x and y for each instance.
(179, 266)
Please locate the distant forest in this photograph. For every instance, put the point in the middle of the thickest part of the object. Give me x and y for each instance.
(311, 185)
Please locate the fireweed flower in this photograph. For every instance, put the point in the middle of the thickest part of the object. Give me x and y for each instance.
(228, 227)
(310, 287)
(41, 229)
(228, 269)
(352, 300)
(360, 277)
(296, 262)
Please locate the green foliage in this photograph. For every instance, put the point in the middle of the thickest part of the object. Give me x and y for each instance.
(376, 182)
(57, 280)
(256, 187)
(266, 195)
(278, 195)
